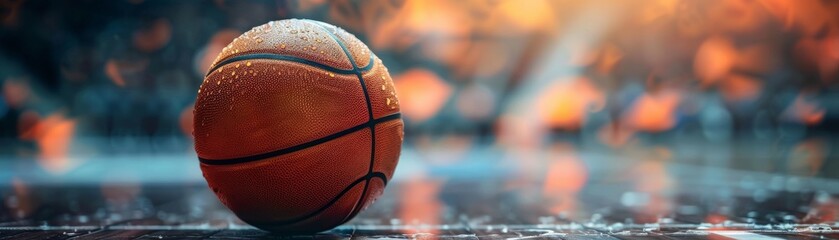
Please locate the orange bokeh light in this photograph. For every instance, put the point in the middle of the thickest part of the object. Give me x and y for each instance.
(112, 71)
(565, 103)
(420, 204)
(421, 93)
(714, 60)
(53, 135)
(654, 111)
(154, 36)
(566, 176)
(804, 111)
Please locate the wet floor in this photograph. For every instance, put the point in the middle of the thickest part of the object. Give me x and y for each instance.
(570, 198)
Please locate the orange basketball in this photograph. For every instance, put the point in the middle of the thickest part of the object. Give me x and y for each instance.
(297, 126)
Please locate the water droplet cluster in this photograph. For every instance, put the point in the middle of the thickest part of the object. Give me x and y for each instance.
(392, 101)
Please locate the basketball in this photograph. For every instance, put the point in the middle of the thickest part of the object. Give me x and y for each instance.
(297, 126)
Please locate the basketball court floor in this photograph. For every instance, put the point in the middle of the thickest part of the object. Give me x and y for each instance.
(483, 194)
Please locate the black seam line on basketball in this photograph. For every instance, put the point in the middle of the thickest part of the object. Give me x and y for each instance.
(369, 111)
(354, 213)
(282, 57)
(357, 207)
(335, 199)
(355, 70)
(301, 146)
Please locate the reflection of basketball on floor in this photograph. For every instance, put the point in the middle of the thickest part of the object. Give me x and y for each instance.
(297, 126)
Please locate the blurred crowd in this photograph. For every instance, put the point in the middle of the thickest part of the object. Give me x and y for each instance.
(119, 77)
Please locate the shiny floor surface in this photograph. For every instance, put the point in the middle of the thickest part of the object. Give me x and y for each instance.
(559, 197)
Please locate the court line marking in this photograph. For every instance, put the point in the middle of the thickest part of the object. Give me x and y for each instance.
(738, 235)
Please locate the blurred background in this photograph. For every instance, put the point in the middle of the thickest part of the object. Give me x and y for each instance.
(552, 97)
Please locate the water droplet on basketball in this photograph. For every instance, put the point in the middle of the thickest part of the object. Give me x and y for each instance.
(248, 64)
